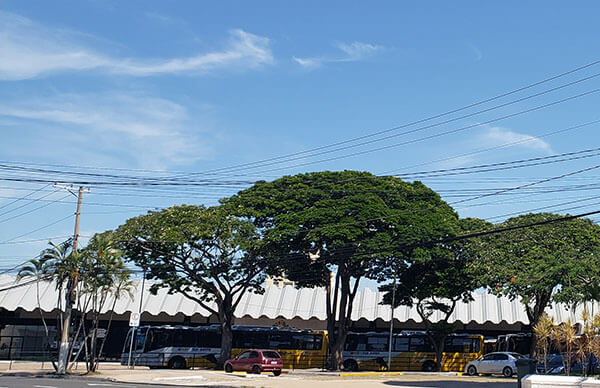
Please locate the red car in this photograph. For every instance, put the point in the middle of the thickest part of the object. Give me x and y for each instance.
(256, 361)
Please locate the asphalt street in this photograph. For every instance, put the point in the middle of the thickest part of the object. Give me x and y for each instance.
(451, 384)
(71, 382)
(77, 382)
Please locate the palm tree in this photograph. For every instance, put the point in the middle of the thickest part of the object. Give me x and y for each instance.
(565, 338)
(543, 331)
(66, 264)
(123, 287)
(103, 274)
(39, 269)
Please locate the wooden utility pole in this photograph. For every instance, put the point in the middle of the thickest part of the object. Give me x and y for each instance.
(63, 353)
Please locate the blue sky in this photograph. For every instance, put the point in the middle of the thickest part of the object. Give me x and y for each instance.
(192, 86)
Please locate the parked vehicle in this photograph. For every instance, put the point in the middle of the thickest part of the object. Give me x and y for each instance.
(556, 365)
(256, 361)
(409, 351)
(514, 343)
(494, 363)
(180, 347)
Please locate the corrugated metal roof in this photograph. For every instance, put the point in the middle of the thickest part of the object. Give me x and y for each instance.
(288, 303)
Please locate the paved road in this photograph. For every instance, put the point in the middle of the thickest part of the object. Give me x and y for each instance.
(72, 382)
(452, 384)
(78, 382)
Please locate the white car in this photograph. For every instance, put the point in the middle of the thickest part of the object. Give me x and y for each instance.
(494, 363)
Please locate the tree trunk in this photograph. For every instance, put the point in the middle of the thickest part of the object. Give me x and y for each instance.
(336, 346)
(63, 350)
(438, 345)
(226, 318)
(93, 356)
(337, 350)
(37, 290)
(110, 318)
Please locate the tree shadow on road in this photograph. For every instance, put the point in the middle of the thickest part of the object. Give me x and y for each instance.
(451, 384)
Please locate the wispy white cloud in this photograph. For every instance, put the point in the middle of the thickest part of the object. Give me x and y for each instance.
(500, 136)
(29, 49)
(477, 53)
(135, 128)
(356, 51)
(350, 52)
(164, 19)
(308, 62)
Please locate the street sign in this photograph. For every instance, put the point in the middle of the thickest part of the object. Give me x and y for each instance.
(134, 320)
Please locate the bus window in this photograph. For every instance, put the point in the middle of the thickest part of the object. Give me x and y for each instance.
(377, 344)
(457, 345)
(251, 339)
(208, 339)
(419, 344)
(281, 340)
(308, 341)
(476, 347)
(140, 340)
(184, 338)
(356, 342)
(159, 339)
(401, 344)
(462, 345)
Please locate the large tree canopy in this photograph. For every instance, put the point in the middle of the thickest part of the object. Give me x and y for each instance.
(203, 253)
(543, 263)
(320, 223)
(434, 279)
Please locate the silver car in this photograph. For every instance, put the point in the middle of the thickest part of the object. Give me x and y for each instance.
(494, 363)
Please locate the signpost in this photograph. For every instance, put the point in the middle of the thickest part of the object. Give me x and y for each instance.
(134, 322)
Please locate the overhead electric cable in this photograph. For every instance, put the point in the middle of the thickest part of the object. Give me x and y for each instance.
(33, 210)
(25, 196)
(30, 201)
(429, 137)
(433, 117)
(38, 229)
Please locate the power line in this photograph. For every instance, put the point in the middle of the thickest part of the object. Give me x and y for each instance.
(36, 240)
(465, 170)
(28, 203)
(38, 229)
(32, 210)
(430, 118)
(498, 146)
(440, 134)
(24, 197)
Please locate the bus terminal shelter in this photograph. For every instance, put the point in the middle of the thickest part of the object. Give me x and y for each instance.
(22, 335)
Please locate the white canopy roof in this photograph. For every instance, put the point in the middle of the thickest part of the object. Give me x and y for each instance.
(286, 303)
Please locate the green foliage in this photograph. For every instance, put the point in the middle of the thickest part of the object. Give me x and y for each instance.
(435, 278)
(439, 275)
(346, 222)
(101, 265)
(344, 218)
(203, 253)
(544, 263)
(200, 252)
(39, 269)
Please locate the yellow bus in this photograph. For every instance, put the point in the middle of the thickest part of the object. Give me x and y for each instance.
(180, 347)
(410, 352)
